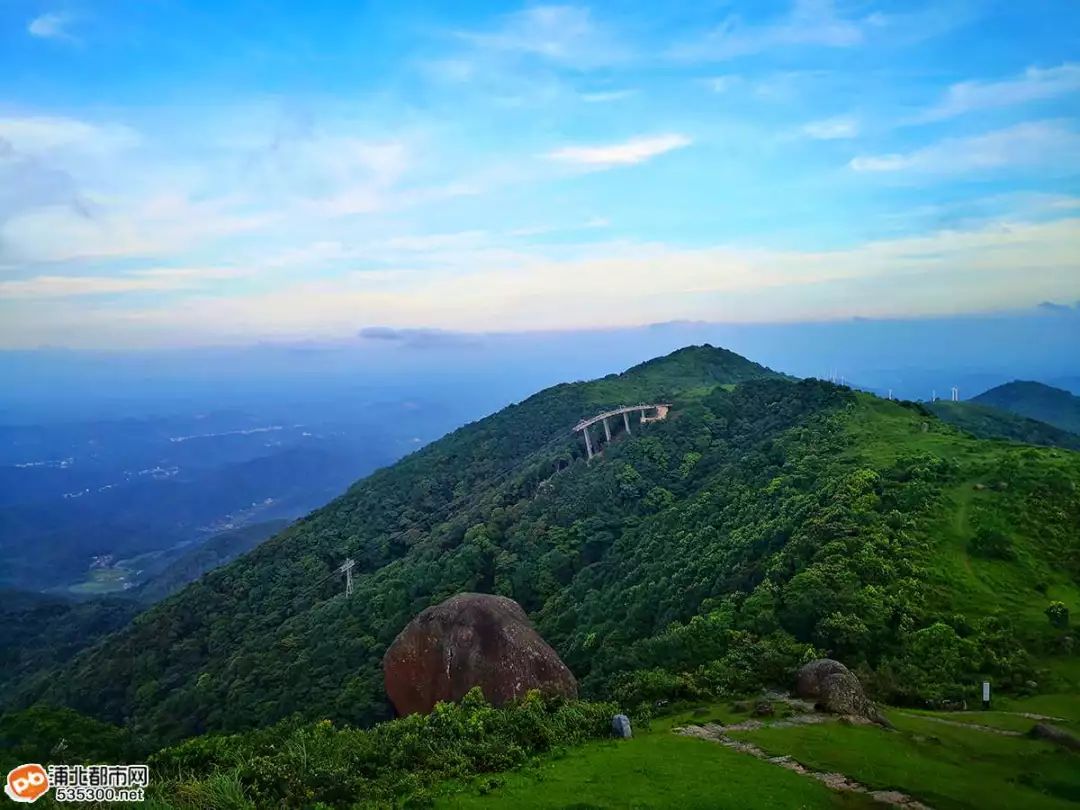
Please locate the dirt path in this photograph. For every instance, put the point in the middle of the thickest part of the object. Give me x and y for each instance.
(1033, 716)
(973, 726)
(714, 732)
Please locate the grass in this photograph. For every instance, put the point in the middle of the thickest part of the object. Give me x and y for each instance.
(945, 766)
(656, 769)
(942, 765)
(102, 581)
(1020, 589)
(991, 719)
(1064, 705)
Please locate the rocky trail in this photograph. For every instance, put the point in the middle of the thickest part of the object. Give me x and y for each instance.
(959, 724)
(715, 732)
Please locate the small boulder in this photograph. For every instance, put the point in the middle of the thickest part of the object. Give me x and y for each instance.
(469, 640)
(763, 708)
(835, 688)
(620, 727)
(1045, 731)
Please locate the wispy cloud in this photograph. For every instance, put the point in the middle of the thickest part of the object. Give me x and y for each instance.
(809, 22)
(660, 282)
(160, 279)
(41, 134)
(831, 129)
(636, 150)
(563, 34)
(52, 25)
(603, 96)
(1034, 84)
(151, 226)
(1039, 143)
(721, 84)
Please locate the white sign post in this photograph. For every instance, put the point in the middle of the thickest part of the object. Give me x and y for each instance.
(986, 694)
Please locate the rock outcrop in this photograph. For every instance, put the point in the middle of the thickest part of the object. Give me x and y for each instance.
(835, 688)
(1045, 731)
(469, 640)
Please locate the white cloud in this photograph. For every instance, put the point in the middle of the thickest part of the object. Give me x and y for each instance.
(636, 150)
(831, 129)
(808, 23)
(45, 135)
(52, 25)
(563, 34)
(721, 84)
(331, 173)
(603, 96)
(997, 265)
(159, 279)
(136, 227)
(1034, 84)
(1041, 143)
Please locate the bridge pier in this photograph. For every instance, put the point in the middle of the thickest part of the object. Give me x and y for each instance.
(606, 417)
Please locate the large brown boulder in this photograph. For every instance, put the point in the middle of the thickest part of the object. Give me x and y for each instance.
(835, 688)
(471, 639)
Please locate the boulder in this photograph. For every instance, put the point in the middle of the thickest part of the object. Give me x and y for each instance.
(1045, 731)
(469, 640)
(835, 688)
(620, 727)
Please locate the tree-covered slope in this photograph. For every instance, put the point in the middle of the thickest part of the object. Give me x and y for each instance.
(764, 521)
(226, 651)
(1035, 401)
(213, 553)
(38, 631)
(988, 422)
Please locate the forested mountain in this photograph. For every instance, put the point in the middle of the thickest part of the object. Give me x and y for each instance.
(988, 422)
(764, 521)
(215, 552)
(38, 631)
(1035, 401)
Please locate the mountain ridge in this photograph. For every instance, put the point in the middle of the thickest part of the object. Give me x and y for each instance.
(765, 520)
(1036, 400)
(990, 422)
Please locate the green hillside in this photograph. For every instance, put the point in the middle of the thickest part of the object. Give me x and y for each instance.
(765, 521)
(988, 422)
(1035, 401)
(39, 632)
(213, 553)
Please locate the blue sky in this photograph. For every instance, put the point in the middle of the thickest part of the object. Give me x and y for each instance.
(178, 174)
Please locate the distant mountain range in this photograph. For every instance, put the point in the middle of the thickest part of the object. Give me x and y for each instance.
(102, 506)
(1027, 412)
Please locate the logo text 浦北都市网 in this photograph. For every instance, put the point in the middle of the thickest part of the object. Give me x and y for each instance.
(78, 783)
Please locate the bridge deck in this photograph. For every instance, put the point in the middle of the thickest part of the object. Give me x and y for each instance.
(661, 408)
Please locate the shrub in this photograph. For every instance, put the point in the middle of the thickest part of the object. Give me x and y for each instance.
(398, 761)
(1058, 614)
(992, 544)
